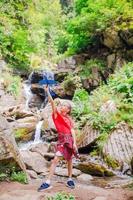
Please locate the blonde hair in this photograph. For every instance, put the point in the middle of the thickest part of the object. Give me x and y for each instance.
(68, 105)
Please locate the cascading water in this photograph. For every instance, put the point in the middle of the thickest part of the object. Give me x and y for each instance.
(37, 138)
(28, 94)
(38, 132)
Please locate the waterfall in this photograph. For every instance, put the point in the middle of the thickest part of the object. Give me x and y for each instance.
(38, 132)
(28, 94)
(37, 138)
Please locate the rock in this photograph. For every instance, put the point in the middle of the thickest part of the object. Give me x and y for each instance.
(49, 156)
(111, 60)
(37, 98)
(100, 198)
(34, 161)
(32, 174)
(9, 155)
(108, 107)
(3, 66)
(40, 148)
(120, 61)
(67, 64)
(127, 37)
(90, 84)
(94, 169)
(132, 165)
(120, 183)
(24, 128)
(126, 169)
(52, 147)
(64, 172)
(85, 178)
(119, 146)
(70, 84)
(129, 54)
(70, 64)
(17, 112)
(111, 39)
(87, 137)
(47, 116)
(59, 90)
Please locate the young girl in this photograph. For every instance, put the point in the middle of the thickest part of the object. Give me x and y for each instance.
(66, 145)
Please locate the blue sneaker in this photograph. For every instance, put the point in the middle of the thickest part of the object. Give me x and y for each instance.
(44, 186)
(71, 184)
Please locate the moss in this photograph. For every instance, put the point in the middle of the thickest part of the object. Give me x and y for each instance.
(94, 169)
(111, 162)
(22, 134)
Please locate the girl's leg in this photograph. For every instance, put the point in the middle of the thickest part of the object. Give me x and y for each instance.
(70, 182)
(47, 185)
(53, 166)
(69, 166)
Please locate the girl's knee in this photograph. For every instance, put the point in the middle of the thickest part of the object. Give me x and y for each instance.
(55, 160)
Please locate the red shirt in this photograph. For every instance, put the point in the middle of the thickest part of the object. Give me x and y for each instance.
(62, 123)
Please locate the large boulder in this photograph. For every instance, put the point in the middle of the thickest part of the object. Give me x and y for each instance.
(119, 145)
(64, 172)
(94, 169)
(10, 158)
(108, 107)
(24, 129)
(87, 137)
(85, 178)
(16, 112)
(41, 148)
(34, 161)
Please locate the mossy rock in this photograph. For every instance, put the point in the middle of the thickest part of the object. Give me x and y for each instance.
(94, 169)
(114, 164)
(23, 134)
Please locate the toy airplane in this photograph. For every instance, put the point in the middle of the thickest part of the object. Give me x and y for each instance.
(48, 79)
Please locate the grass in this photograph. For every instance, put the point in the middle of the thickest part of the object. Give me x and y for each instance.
(61, 196)
(19, 177)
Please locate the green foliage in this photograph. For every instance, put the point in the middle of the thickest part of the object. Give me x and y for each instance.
(122, 82)
(111, 162)
(3, 176)
(79, 5)
(86, 69)
(118, 91)
(80, 100)
(71, 83)
(27, 28)
(93, 17)
(11, 83)
(62, 196)
(19, 176)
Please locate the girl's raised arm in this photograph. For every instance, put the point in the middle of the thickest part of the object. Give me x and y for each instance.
(54, 109)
